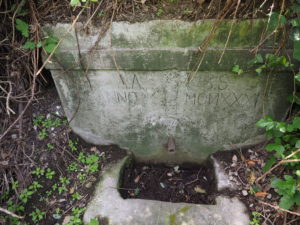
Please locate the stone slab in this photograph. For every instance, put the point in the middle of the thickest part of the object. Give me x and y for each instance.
(212, 112)
(108, 205)
(155, 60)
(138, 87)
(164, 34)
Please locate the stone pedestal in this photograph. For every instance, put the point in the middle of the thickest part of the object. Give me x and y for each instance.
(142, 85)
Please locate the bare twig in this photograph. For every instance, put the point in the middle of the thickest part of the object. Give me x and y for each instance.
(230, 31)
(59, 42)
(285, 160)
(10, 213)
(91, 17)
(278, 208)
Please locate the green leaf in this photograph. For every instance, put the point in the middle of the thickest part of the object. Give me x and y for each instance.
(39, 44)
(52, 39)
(23, 27)
(295, 22)
(258, 58)
(270, 162)
(296, 8)
(295, 35)
(297, 198)
(281, 127)
(296, 52)
(268, 122)
(297, 144)
(93, 222)
(276, 21)
(258, 70)
(237, 69)
(297, 77)
(49, 47)
(29, 45)
(74, 2)
(286, 202)
(290, 128)
(296, 123)
(275, 147)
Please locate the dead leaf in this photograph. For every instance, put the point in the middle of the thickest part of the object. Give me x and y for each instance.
(250, 163)
(199, 190)
(3, 163)
(242, 158)
(234, 158)
(200, 1)
(93, 149)
(66, 220)
(261, 194)
(251, 177)
(137, 179)
(143, 1)
(72, 189)
(4, 154)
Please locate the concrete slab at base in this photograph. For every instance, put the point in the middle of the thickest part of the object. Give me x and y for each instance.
(108, 205)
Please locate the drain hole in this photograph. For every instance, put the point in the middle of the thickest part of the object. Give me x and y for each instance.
(183, 183)
(171, 150)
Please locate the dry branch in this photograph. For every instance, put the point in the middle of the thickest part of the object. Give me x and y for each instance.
(10, 213)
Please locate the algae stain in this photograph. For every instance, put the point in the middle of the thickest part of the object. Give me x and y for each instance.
(173, 216)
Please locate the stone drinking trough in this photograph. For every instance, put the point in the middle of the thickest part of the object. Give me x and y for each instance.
(149, 88)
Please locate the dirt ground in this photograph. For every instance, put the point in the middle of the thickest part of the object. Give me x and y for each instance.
(48, 174)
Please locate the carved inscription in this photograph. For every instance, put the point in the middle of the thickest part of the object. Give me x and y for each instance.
(126, 97)
(214, 92)
(224, 98)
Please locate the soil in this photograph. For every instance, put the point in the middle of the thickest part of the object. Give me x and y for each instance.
(170, 184)
(58, 159)
(22, 151)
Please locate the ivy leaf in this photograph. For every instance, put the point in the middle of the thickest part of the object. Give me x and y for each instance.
(297, 198)
(52, 39)
(296, 123)
(269, 164)
(296, 50)
(39, 44)
(23, 27)
(29, 45)
(237, 69)
(258, 70)
(295, 22)
(267, 123)
(49, 47)
(275, 147)
(286, 202)
(74, 2)
(276, 20)
(297, 144)
(259, 58)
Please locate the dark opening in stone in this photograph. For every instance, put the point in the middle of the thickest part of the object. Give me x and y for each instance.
(181, 183)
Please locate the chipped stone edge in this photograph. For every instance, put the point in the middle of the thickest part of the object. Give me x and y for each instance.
(223, 181)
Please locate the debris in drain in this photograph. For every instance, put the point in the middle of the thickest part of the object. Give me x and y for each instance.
(173, 184)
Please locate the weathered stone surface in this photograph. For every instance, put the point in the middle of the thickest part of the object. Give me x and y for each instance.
(107, 204)
(135, 89)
